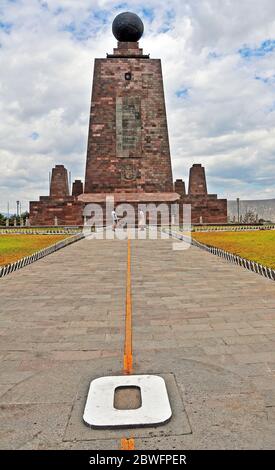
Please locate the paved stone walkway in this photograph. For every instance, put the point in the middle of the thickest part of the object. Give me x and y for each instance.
(204, 324)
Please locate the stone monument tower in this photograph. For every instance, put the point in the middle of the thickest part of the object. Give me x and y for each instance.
(128, 145)
(128, 154)
(197, 180)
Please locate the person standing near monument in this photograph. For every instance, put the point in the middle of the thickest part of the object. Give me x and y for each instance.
(115, 220)
(141, 221)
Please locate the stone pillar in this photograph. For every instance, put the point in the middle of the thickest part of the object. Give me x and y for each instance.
(59, 182)
(14, 221)
(197, 181)
(55, 221)
(179, 186)
(7, 222)
(77, 188)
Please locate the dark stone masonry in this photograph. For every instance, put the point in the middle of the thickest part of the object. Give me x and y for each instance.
(128, 152)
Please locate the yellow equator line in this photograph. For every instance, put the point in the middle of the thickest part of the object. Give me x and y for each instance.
(128, 352)
(128, 444)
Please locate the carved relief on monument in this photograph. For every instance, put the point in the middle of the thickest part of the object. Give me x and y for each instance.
(147, 80)
(129, 171)
(128, 126)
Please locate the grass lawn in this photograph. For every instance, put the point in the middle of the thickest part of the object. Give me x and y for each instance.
(257, 246)
(14, 247)
(236, 228)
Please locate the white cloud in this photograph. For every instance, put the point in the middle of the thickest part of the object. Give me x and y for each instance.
(225, 120)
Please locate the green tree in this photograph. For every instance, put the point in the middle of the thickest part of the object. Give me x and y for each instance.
(2, 219)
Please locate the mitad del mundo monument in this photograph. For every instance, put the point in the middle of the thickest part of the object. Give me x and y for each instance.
(128, 153)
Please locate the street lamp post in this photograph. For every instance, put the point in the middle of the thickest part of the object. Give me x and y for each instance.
(17, 208)
(238, 209)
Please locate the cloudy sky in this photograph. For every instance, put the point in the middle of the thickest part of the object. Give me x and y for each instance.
(218, 59)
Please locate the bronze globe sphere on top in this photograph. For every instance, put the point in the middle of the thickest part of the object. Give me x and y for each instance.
(127, 27)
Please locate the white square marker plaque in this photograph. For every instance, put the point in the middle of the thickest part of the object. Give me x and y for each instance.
(155, 407)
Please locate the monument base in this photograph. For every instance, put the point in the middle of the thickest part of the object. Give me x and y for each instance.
(69, 210)
(207, 209)
(62, 211)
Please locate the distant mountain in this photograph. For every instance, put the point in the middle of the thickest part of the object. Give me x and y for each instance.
(265, 208)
